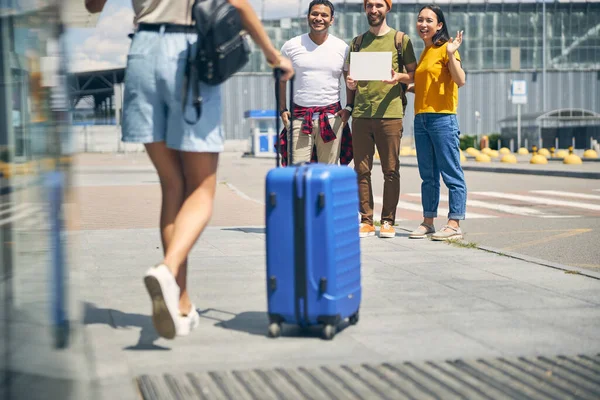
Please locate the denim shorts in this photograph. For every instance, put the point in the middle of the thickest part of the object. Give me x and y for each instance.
(153, 95)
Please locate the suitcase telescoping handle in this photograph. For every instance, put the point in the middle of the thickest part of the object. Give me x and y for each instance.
(278, 72)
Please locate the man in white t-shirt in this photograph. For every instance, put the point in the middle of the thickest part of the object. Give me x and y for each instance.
(318, 59)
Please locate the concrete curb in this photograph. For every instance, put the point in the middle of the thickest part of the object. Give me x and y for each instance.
(534, 260)
(521, 171)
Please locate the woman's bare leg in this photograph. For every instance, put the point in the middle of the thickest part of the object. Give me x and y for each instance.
(172, 182)
(200, 171)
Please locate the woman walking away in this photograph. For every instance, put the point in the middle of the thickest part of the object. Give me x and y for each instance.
(437, 79)
(185, 155)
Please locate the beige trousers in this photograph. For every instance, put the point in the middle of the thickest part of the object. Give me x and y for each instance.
(327, 153)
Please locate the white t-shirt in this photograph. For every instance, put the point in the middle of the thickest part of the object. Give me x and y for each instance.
(318, 69)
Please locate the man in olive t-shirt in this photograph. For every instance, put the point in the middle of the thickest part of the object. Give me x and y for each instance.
(377, 117)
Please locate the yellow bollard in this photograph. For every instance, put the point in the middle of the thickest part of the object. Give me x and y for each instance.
(504, 150)
(589, 153)
(571, 158)
(47, 164)
(486, 150)
(472, 151)
(509, 159)
(537, 158)
(523, 151)
(5, 169)
(544, 152)
(463, 158)
(493, 153)
(413, 152)
(405, 151)
(561, 154)
(552, 151)
(376, 155)
(483, 158)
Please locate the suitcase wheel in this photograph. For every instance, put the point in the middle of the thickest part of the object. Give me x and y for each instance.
(353, 319)
(329, 332)
(274, 330)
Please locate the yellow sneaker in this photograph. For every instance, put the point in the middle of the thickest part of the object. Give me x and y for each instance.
(366, 230)
(387, 230)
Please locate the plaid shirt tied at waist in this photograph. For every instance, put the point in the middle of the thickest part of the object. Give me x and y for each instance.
(327, 133)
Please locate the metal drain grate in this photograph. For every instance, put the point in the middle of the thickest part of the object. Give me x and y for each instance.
(517, 378)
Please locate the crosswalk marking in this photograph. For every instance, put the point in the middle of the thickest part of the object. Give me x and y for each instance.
(14, 209)
(567, 194)
(540, 200)
(405, 205)
(526, 211)
(22, 214)
(560, 216)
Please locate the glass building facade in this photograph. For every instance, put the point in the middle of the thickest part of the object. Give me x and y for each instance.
(499, 35)
(41, 347)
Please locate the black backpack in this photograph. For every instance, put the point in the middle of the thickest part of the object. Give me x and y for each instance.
(398, 40)
(222, 48)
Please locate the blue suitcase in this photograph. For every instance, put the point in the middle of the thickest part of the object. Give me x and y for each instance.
(313, 246)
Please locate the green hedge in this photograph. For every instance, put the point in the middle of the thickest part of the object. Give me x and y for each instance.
(493, 138)
(4, 154)
(467, 141)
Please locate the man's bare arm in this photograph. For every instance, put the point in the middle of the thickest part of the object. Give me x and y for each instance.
(349, 92)
(409, 77)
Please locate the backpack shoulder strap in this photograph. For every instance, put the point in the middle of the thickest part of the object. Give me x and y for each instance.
(357, 42)
(399, 41)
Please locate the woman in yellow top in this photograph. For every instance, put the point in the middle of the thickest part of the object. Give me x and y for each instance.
(437, 79)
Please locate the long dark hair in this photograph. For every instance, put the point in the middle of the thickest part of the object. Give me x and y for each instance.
(326, 3)
(441, 36)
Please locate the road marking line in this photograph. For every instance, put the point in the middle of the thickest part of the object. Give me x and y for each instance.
(567, 194)
(526, 211)
(377, 217)
(540, 200)
(242, 194)
(15, 208)
(441, 211)
(560, 216)
(513, 232)
(571, 232)
(23, 214)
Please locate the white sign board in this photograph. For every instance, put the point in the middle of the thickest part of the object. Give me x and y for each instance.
(519, 92)
(371, 66)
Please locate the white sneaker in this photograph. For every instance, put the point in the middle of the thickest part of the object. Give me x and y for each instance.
(187, 323)
(164, 293)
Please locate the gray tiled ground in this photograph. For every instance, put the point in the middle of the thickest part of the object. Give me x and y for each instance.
(422, 301)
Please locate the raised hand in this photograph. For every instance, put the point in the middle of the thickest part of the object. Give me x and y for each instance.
(454, 43)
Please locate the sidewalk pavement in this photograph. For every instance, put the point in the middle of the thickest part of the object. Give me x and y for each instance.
(422, 301)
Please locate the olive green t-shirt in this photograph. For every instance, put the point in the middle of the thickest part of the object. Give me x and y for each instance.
(375, 99)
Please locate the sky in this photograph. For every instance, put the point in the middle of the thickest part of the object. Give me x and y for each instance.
(106, 45)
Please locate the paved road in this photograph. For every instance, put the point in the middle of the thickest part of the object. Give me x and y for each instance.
(422, 301)
(551, 218)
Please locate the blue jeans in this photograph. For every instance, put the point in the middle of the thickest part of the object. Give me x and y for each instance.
(437, 143)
